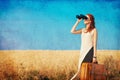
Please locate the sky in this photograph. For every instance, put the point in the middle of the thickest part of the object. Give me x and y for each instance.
(46, 24)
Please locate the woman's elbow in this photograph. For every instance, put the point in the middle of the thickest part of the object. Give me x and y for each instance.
(71, 31)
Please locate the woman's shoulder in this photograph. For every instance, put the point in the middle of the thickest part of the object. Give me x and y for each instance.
(94, 30)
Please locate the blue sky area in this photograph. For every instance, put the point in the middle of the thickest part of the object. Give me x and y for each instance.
(46, 24)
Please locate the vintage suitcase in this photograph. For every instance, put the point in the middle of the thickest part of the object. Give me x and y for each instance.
(91, 71)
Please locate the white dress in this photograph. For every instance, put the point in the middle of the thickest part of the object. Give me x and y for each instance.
(86, 52)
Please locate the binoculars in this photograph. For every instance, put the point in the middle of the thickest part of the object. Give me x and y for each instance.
(81, 16)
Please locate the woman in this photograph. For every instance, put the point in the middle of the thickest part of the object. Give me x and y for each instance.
(88, 42)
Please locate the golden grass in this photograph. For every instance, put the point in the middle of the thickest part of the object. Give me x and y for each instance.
(51, 63)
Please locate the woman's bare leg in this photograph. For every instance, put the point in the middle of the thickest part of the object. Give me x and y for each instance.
(78, 72)
(76, 75)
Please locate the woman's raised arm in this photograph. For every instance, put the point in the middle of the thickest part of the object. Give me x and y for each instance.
(73, 30)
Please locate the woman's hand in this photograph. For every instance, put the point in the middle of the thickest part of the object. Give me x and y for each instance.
(95, 60)
(78, 20)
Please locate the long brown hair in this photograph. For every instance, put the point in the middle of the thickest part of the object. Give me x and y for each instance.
(92, 24)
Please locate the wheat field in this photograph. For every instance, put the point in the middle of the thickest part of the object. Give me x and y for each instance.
(58, 64)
